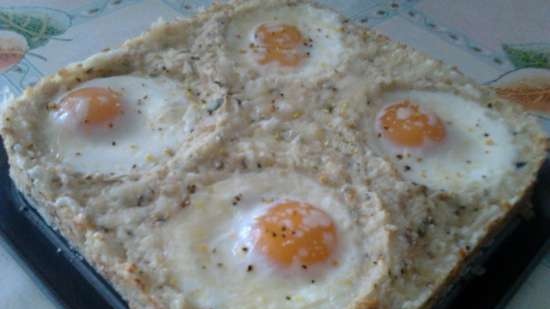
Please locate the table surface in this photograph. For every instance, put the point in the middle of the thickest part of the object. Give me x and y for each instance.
(482, 38)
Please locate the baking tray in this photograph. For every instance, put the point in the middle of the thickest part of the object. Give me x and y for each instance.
(489, 281)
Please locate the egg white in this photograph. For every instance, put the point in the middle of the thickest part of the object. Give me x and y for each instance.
(322, 26)
(156, 115)
(203, 246)
(477, 151)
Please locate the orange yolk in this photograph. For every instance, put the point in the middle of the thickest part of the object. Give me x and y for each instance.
(99, 105)
(293, 232)
(405, 124)
(281, 44)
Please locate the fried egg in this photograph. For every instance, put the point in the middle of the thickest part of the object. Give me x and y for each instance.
(286, 40)
(442, 140)
(116, 124)
(267, 240)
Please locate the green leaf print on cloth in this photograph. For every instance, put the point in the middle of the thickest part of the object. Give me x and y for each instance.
(535, 55)
(37, 25)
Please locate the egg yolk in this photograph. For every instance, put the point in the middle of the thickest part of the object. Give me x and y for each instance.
(93, 106)
(292, 232)
(280, 43)
(405, 124)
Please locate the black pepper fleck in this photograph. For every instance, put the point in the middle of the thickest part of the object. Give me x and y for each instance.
(236, 199)
(191, 189)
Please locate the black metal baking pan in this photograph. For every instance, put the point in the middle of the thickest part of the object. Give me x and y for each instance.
(490, 281)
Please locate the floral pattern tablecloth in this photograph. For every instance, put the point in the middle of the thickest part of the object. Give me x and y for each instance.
(496, 42)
